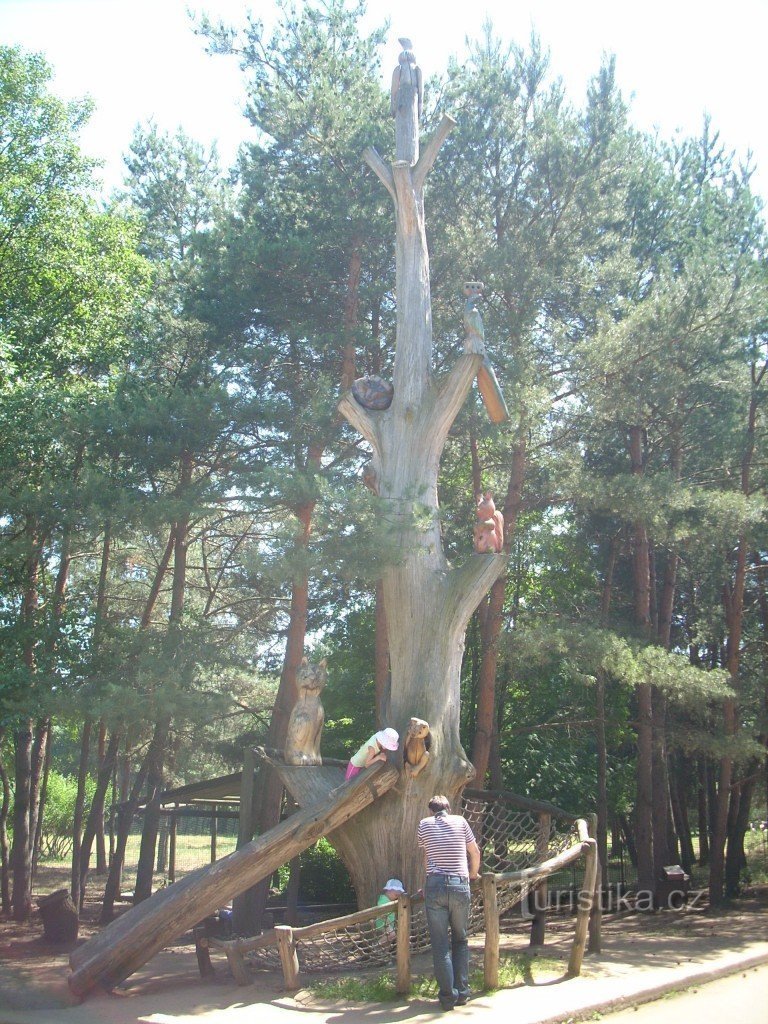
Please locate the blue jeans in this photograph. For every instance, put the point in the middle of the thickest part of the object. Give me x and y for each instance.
(446, 899)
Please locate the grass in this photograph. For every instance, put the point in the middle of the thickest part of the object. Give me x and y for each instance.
(514, 968)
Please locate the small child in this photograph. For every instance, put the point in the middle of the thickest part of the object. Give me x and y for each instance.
(386, 924)
(371, 751)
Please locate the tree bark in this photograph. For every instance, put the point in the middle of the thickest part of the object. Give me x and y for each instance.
(381, 656)
(427, 603)
(5, 805)
(736, 858)
(600, 740)
(733, 605)
(40, 789)
(703, 811)
(77, 821)
(154, 776)
(493, 620)
(642, 607)
(95, 822)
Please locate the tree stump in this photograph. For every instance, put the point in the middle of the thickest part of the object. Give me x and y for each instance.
(59, 914)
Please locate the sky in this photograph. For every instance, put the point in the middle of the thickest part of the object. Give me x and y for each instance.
(140, 60)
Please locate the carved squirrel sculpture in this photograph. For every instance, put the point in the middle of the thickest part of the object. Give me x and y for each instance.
(305, 726)
(485, 537)
(418, 740)
(487, 512)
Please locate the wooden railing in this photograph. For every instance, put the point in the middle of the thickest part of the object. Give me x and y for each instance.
(586, 848)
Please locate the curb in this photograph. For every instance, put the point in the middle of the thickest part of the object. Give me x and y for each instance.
(648, 995)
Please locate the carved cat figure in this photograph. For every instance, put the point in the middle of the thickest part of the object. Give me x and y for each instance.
(305, 726)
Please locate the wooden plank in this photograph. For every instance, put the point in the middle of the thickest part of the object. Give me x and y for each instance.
(309, 931)
(490, 392)
(134, 937)
(244, 945)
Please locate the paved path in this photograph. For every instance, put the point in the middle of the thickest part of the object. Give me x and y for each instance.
(741, 997)
(643, 957)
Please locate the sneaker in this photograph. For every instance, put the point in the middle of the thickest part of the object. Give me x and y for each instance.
(462, 1000)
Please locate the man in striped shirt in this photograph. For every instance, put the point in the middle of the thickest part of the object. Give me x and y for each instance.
(451, 858)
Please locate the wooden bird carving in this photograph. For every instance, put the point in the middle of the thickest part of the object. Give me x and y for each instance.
(406, 81)
(474, 340)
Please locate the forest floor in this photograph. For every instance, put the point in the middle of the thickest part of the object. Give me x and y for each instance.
(662, 947)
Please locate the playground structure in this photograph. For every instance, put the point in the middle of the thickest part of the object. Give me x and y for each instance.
(428, 604)
(525, 843)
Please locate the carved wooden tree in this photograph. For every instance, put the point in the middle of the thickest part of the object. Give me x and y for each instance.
(428, 604)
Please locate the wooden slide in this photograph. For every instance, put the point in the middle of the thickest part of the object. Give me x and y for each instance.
(134, 937)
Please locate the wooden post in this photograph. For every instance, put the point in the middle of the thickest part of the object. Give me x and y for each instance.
(288, 957)
(586, 898)
(243, 905)
(403, 945)
(237, 966)
(214, 833)
(203, 953)
(491, 924)
(539, 894)
(172, 846)
(162, 848)
(596, 916)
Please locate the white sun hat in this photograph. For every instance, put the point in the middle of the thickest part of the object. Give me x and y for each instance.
(394, 885)
(388, 739)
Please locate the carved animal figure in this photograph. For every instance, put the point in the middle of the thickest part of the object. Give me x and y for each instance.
(305, 726)
(474, 340)
(406, 81)
(484, 536)
(416, 747)
(486, 509)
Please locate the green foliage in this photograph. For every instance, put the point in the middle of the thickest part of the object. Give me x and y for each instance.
(61, 793)
(324, 879)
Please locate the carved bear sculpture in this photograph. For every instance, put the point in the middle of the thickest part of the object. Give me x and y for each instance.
(305, 726)
(418, 740)
(486, 510)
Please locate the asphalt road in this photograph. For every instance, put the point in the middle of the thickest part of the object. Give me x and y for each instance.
(741, 998)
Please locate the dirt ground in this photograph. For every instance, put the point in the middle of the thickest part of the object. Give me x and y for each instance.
(33, 972)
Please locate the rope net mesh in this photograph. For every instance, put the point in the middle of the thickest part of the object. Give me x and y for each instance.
(510, 840)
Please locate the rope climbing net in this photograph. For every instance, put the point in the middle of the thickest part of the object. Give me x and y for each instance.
(511, 839)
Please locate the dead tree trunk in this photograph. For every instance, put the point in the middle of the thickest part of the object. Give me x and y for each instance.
(427, 603)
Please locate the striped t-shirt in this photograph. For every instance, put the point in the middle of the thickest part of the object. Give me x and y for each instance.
(445, 838)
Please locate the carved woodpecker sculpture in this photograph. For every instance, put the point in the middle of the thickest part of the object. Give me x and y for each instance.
(473, 322)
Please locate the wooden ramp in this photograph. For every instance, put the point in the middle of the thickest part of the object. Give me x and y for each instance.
(134, 937)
